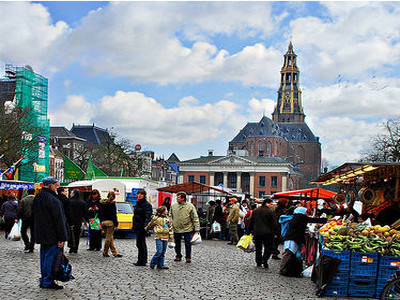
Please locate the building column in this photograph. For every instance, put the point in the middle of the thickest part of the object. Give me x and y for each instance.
(252, 176)
(180, 180)
(284, 182)
(225, 182)
(211, 182)
(239, 182)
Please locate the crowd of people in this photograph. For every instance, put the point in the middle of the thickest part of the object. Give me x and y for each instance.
(54, 218)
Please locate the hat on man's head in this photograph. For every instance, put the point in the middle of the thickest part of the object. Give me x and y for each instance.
(234, 200)
(49, 180)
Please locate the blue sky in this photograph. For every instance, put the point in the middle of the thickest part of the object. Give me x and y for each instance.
(185, 77)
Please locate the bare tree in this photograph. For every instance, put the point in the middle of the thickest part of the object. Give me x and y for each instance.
(385, 146)
(18, 136)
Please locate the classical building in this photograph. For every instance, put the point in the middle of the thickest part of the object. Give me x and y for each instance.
(253, 175)
(269, 156)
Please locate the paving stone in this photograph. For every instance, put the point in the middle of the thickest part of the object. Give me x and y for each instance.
(218, 272)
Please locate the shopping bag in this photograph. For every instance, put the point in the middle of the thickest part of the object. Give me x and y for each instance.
(216, 227)
(244, 242)
(15, 234)
(251, 247)
(95, 223)
(196, 239)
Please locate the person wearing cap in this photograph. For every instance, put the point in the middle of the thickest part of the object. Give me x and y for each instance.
(51, 230)
(233, 219)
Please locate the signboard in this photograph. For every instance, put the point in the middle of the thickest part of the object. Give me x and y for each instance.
(138, 147)
(39, 168)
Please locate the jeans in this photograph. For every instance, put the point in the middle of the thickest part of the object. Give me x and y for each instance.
(266, 241)
(188, 247)
(141, 245)
(158, 258)
(47, 256)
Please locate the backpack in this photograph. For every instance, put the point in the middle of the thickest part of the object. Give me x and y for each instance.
(284, 221)
(62, 269)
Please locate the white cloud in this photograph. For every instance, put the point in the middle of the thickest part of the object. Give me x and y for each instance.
(29, 37)
(145, 120)
(169, 42)
(74, 110)
(355, 42)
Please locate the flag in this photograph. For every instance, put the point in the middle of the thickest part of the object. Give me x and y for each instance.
(90, 170)
(122, 171)
(93, 172)
(10, 171)
(72, 170)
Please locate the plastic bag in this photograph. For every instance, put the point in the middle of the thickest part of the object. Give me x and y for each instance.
(15, 234)
(196, 239)
(307, 272)
(251, 247)
(216, 227)
(171, 245)
(95, 223)
(244, 242)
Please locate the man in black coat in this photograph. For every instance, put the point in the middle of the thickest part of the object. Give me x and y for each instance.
(51, 230)
(25, 214)
(262, 225)
(76, 213)
(141, 218)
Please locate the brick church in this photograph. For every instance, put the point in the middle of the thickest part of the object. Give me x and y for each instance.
(269, 156)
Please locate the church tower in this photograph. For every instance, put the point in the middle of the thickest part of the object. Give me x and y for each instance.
(288, 107)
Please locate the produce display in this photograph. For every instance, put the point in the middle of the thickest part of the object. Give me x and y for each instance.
(361, 238)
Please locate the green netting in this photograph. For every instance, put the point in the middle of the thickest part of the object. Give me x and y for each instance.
(31, 94)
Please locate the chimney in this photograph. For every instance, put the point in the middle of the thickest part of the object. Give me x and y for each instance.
(210, 152)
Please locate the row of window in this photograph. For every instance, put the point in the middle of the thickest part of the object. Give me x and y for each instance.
(262, 181)
(202, 179)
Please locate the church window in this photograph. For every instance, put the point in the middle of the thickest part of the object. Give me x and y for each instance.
(268, 152)
(252, 148)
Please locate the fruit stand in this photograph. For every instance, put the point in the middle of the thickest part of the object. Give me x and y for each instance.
(369, 253)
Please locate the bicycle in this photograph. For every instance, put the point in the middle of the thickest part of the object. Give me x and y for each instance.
(391, 291)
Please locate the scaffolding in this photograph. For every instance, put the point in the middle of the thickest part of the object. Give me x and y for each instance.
(31, 97)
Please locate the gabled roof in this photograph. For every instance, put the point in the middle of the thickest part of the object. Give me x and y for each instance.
(92, 134)
(173, 158)
(60, 131)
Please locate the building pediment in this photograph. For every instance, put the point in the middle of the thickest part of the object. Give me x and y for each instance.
(231, 160)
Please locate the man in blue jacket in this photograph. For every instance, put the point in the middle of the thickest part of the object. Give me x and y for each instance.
(51, 230)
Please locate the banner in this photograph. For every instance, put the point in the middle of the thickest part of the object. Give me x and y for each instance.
(72, 170)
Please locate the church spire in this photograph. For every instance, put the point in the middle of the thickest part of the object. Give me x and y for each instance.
(288, 107)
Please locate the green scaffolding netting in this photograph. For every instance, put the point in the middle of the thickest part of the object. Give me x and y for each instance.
(31, 94)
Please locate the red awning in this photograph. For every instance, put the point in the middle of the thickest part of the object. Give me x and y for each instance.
(315, 193)
(191, 188)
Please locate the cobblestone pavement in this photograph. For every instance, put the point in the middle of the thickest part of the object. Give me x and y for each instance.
(218, 271)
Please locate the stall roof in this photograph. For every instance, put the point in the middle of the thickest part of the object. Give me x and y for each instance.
(306, 194)
(350, 172)
(191, 188)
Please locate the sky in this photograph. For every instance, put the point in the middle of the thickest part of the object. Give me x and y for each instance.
(185, 77)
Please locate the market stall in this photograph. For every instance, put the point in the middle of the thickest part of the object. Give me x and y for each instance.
(369, 251)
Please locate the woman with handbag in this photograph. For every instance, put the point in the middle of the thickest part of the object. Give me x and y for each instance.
(108, 218)
(93, 210)
(9, 211)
